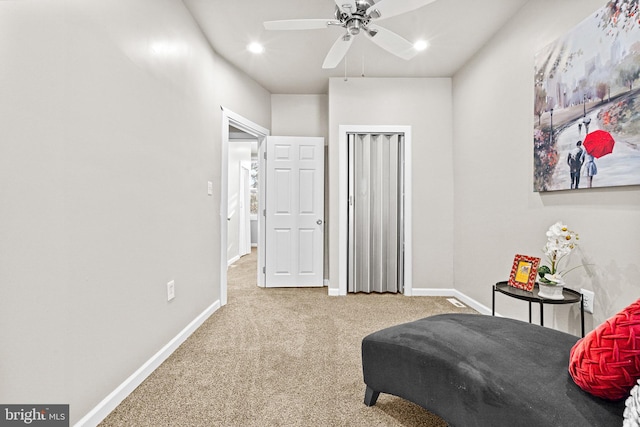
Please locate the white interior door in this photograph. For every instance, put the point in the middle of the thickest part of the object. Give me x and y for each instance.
(294, 211)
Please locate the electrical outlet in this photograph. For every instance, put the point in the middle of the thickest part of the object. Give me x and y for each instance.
(171, 290)
(587, 300)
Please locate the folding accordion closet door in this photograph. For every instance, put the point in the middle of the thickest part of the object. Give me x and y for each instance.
(376, 213)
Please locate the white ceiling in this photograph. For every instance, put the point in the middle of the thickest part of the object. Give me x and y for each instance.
(292, 62)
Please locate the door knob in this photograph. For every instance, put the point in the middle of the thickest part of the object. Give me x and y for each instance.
(319, 222)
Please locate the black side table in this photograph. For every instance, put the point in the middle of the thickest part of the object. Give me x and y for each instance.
(570, 297)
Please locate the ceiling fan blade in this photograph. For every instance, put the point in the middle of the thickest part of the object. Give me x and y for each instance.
(390, 41)
(348, 6)
(337, 52)
(388, 8)
(298, 24)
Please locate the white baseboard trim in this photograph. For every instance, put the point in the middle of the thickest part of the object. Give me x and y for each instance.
(480, 308)
(232, 260)
(429, 292)
(109, 403)
(333, 292)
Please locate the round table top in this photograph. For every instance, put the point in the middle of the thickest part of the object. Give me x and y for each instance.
(570, 296)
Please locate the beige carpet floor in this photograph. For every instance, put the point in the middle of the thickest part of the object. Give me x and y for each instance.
(278, 357)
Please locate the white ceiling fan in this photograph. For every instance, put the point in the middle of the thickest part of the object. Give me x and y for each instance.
(356, 16)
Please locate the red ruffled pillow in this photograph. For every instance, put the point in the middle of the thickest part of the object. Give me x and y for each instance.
(606, 362)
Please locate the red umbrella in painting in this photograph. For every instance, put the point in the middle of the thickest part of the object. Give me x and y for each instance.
(598, 143)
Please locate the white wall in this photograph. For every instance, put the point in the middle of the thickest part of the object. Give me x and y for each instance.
(110, 117)
(496, 212)
(424, 104)
(299, 115)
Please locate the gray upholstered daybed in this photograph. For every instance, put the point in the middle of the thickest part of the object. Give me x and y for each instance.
(475, 370)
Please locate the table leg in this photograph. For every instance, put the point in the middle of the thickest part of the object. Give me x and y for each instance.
(529, 311)
(493, 301)
(541, 314)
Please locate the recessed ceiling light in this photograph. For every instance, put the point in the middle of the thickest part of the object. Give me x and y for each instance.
(420, 45)
(255, 47)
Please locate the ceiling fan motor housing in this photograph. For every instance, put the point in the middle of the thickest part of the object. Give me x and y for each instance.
(356, 20)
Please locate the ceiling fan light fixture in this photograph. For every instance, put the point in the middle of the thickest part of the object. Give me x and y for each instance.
(354, 26)
(375, 14)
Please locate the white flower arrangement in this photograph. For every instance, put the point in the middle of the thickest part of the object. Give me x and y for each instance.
(560, 242)
(632, 408)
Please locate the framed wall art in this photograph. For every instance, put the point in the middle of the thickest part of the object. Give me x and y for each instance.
(586, 129)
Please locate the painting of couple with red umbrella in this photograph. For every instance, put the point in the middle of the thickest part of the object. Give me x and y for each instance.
(586, 107)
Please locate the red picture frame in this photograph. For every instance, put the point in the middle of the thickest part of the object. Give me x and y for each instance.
(523, 272)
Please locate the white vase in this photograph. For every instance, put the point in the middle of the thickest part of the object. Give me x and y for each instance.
(550, 291)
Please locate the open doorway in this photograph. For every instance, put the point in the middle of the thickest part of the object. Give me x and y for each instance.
(236, 128)
(243, 149)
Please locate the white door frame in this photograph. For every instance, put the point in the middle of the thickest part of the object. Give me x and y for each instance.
(237, 121)
(343, 206)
